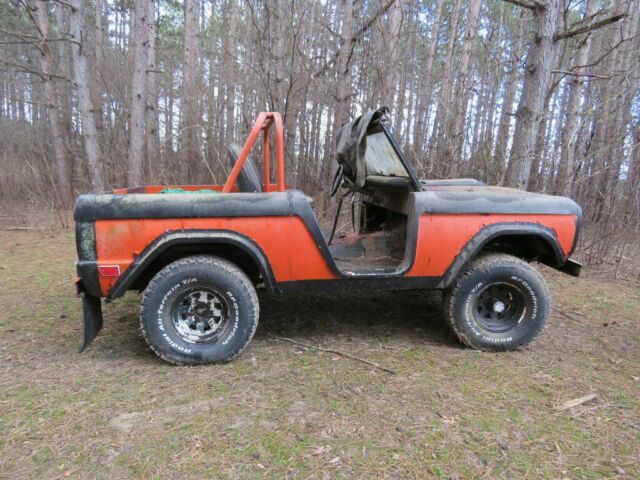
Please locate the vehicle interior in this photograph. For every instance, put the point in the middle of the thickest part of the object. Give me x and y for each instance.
(369, 233)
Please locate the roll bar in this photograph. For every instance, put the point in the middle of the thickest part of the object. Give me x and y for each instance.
(263, 124)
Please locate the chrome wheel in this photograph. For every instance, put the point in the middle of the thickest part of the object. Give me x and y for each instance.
(199, 315)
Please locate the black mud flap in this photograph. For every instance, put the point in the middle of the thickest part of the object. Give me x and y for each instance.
(92, 317)
(570, 267)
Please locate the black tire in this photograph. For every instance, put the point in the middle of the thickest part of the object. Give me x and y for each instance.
(498, 303)
(199, 310)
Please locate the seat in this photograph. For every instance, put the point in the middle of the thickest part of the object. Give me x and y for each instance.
(248, 179)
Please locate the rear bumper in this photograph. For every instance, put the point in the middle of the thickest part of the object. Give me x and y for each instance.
(570, 267)
(91, 315)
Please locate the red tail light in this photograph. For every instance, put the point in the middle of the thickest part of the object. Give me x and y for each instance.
(109, 270)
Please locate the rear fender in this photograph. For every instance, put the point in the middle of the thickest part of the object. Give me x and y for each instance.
(193, 237)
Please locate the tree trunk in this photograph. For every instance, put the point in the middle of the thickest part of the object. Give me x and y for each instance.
(343, 83)
(455, 142)
(229, 72)
(151, 113)
(405, 87)
(444, 95)
(140, 40)
(536, 80)
(95, 65)
(213, 99)
(507, 102)
(424, 101)
(564, 179)
(61, 164)
(389, 46)
(540, 160)
(85, 106)
(342, 103)
(64, 69)
(189, 126)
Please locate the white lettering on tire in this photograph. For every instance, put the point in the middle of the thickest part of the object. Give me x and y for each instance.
(161, 314)
(534, 298)
(236, 319)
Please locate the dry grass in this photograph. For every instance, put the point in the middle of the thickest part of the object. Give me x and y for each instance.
(281, 411)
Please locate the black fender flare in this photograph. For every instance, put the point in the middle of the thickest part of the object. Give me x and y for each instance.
(492, 232)
(190, 237)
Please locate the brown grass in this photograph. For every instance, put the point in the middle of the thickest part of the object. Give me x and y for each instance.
(282, 411)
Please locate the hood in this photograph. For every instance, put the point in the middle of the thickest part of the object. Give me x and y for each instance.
(473, 196)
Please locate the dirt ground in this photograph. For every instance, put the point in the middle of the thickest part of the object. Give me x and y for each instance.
(285, 411)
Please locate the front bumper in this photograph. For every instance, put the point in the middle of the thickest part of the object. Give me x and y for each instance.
(91, 315)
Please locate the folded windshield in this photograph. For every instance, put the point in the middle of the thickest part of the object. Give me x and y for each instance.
(380, 157)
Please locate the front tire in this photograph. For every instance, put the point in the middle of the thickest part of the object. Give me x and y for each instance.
(199, 310)
(498, 303)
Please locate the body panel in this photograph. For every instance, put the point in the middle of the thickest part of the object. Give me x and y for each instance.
(293, 253)
(442, 236)
(286, 241)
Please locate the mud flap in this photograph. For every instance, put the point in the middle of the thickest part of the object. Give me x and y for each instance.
(92, 317)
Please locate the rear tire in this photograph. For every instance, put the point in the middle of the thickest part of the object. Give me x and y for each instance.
(498, 303)
(199, 310)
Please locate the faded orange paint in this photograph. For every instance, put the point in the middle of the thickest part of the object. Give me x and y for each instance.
(294, 254)
(290, 248)
(441, 237)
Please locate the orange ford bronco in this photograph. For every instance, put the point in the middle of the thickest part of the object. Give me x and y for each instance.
(199, 255)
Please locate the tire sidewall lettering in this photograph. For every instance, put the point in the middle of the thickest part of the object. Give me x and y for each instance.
(233, 307)
(532, 295)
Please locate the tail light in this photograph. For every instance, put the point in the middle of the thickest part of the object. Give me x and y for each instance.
(109, 270)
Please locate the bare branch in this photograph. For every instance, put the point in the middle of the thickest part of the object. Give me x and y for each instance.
(588, 27)
(577, 74)
(18, 34)
(71, 7)
(328, 28)
(37, 41)
(336, 352)
(371, 21)
(601, 57)
(354, 39)
(27, 69)
(530, 4)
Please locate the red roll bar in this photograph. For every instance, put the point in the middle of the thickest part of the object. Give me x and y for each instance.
(263, 123)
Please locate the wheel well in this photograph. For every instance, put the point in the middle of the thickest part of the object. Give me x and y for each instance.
(232, 253)
(528, 247)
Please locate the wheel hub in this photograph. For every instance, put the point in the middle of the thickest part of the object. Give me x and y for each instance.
(199, 315)
(499, 307)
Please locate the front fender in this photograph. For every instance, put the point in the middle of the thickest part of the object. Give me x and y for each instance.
(491, 232)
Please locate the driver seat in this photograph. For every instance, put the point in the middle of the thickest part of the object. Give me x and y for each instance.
(249, 179)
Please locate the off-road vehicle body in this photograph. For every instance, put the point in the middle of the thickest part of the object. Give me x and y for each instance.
(198, 256)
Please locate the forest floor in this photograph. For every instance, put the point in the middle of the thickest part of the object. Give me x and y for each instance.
(285, 411)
